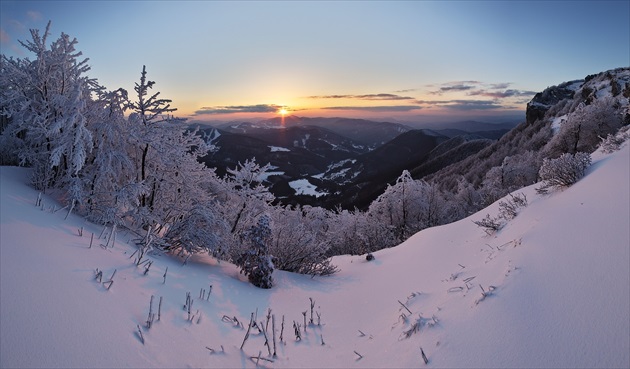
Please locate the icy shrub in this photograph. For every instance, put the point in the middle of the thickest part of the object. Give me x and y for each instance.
(509, 208)
(256, 263)
(489, 224)
(613, 143)
(563, 171)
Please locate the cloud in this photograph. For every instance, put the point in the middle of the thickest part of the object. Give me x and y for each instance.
(364, 97)
(233, 109)
(502, 94)
(406, 90)
(33, 15)
(454, 86)
(473, 105)
(500, 86)
(463, 105)
(380, 108)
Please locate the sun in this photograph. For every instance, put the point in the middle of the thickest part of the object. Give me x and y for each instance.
(283, 111)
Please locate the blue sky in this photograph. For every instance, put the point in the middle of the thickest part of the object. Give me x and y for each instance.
(399, 60)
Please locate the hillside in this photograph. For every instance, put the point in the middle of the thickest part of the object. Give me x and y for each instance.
(348, 162)
(556, 280)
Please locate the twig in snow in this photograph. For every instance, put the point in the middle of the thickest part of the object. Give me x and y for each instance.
(360, 356)
(273, 329)
(312, 306)
(268, 319)
(111, 280)
(166, 271)
(91, 239)
(140, 332)
(214, 351)
(424, 357)
(264, 332)
(99, 275)
(148, 266)
(247, 333)
(403, 305)
(160, 308)
(151, 316)
(296, 330)
(259, 357)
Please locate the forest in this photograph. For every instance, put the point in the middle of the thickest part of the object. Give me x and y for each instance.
(124, 160)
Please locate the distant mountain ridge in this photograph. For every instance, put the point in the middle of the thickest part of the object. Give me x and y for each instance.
(350, 160)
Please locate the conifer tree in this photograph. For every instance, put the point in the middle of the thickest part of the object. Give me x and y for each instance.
(256, 263)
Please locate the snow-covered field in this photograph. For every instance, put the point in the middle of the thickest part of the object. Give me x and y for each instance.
(304, 187)
(556, 281)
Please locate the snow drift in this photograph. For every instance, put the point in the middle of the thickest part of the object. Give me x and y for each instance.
(550, 289)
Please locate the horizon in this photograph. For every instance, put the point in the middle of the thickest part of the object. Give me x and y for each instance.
(396, 61)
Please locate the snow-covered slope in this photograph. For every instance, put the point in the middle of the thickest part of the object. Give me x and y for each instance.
(557, 283)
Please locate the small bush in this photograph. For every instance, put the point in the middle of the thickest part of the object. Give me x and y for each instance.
(614, 142)
(509, 209)
(563, 171)
(256, 263)
(489, 224)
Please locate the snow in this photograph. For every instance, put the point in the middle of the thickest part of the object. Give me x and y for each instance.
(559, 271)
(278, 149)
(304, 187)
(265, 177)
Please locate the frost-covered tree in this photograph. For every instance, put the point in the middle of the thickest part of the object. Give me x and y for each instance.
(467, 197)
(201, 229)
(149, 115)
(168, 177)
(48, 101)
(563, 171)
(583, 129)
(300, 243)
(398, 206)
(244, 197)
(409, 206)
(256, 262)
(515, 172)
(358, 233)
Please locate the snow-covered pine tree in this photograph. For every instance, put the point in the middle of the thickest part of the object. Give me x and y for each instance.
(256, 262)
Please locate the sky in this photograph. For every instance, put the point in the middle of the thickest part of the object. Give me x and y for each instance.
(406, 61)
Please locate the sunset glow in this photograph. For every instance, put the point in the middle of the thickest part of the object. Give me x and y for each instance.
(472, 69)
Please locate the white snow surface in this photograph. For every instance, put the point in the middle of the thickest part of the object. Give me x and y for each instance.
(557, 277)
(278, 149)
(304, 187)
